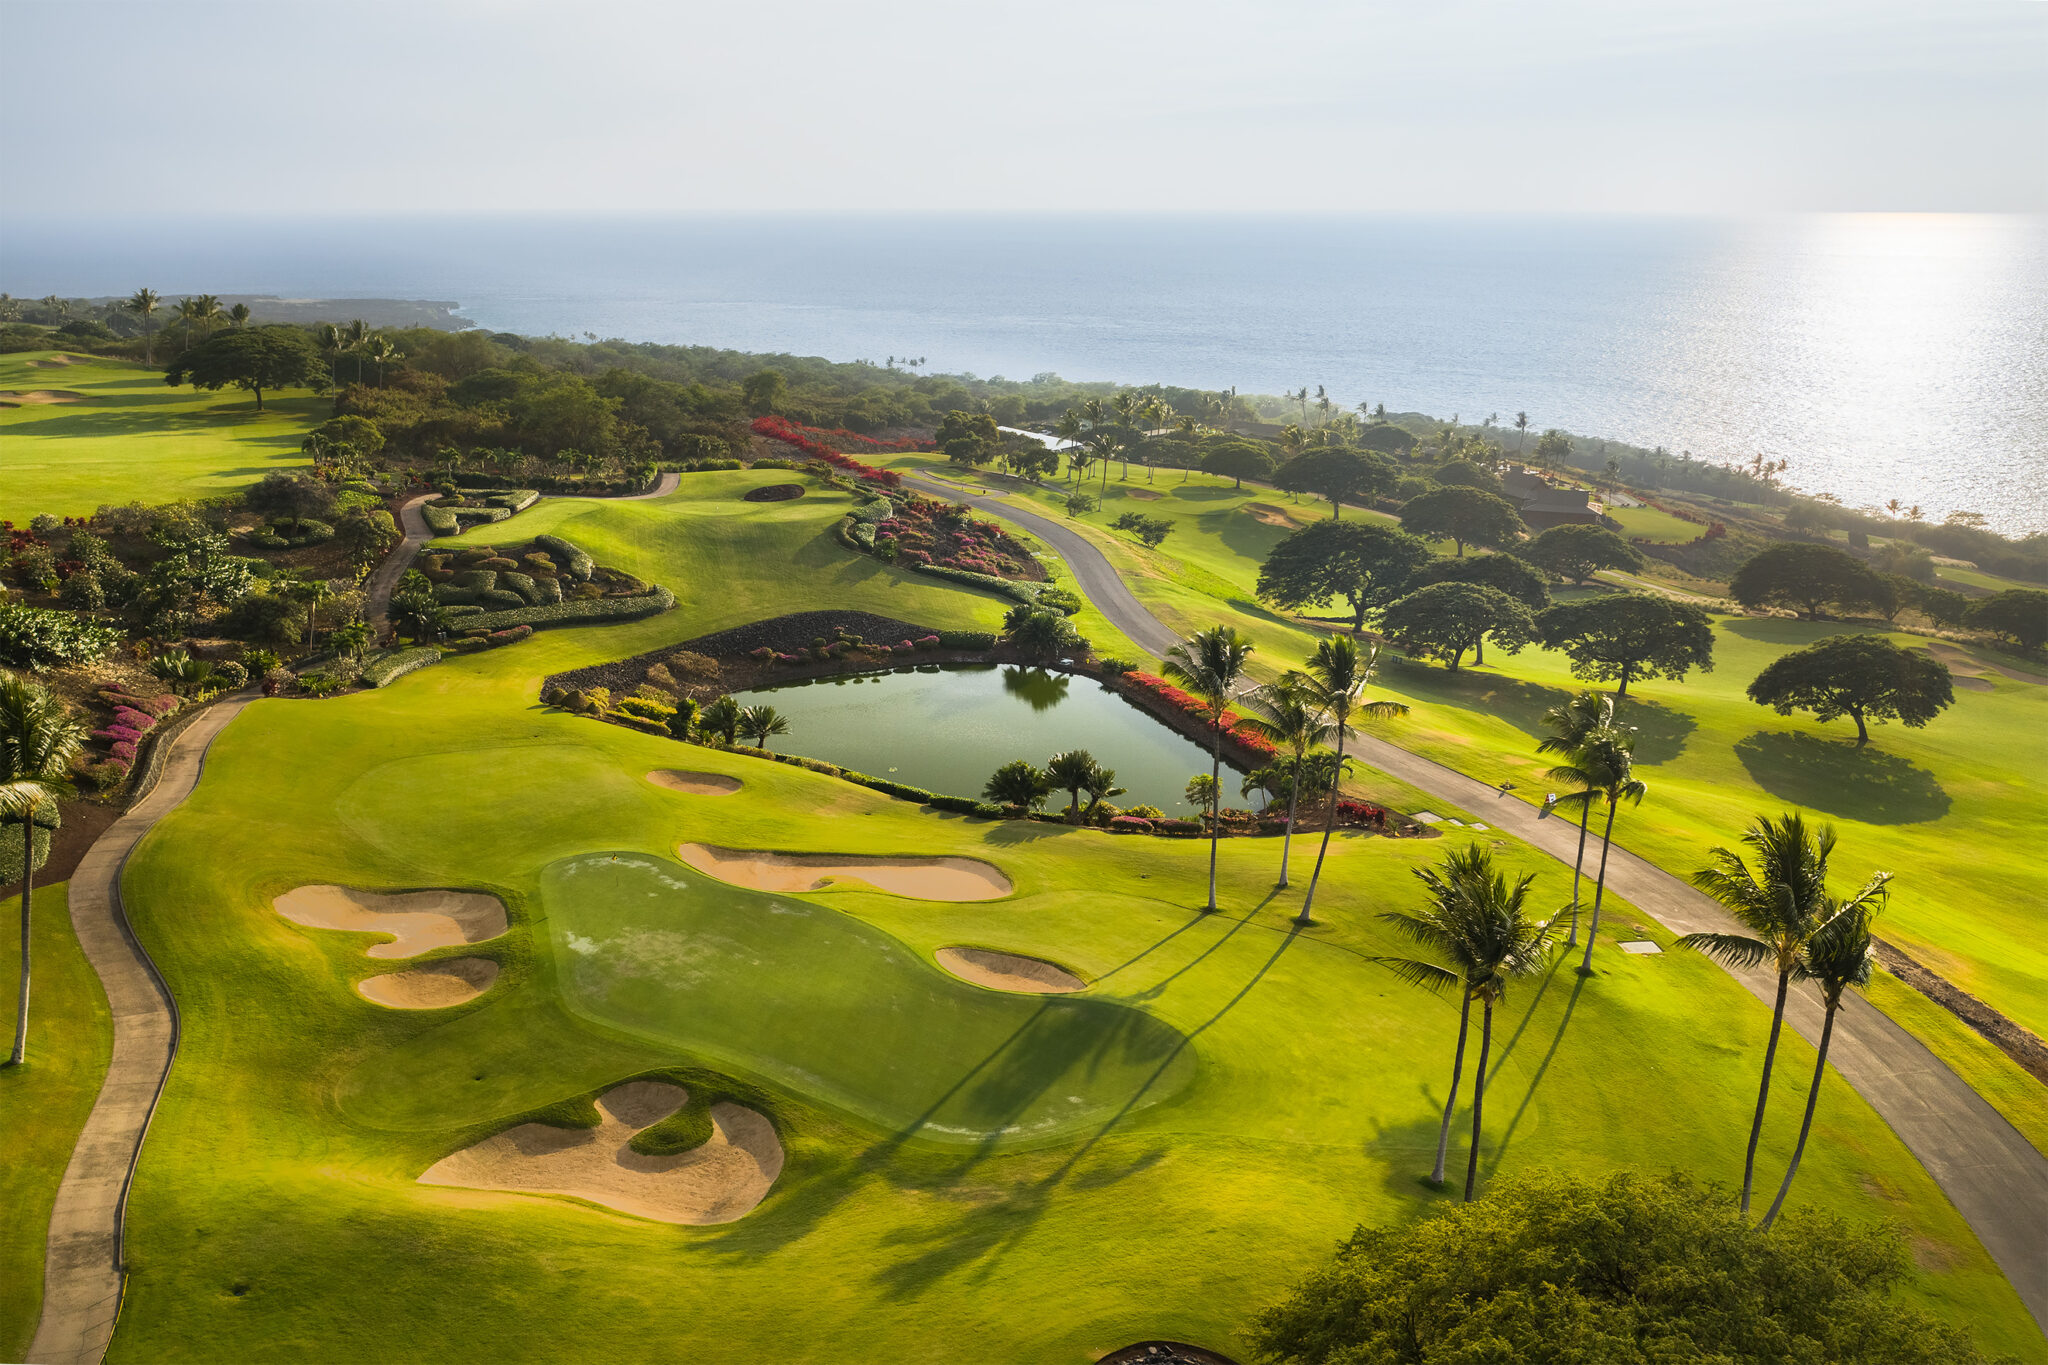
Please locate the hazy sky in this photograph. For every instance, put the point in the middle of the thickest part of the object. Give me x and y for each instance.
(1104, 105)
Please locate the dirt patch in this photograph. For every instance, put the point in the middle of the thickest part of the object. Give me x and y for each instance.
(697, 784)
(418, 921)
(58, 362)
(17, 397)
(1964, 664)
(1268, 514)
(719, 1182)
(1009, 972)
(925, 879)
(83, 823)
(773, 492)
(2014, 1040)
(435, 986)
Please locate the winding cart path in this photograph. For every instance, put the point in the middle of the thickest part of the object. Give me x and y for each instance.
(1989, 1171)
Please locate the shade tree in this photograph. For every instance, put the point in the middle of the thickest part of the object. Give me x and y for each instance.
(969, 438)
(1512, 575)
(1625, 636)
(1577, 552)
(1464, 516)
(1238, 461)
(1338, 475)
(1864, 677)
(2018, 614)
(251, 358)
(1444, 620)
(1809, 578)
(1364, 563)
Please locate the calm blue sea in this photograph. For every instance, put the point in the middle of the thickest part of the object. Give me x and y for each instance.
(1885, 356)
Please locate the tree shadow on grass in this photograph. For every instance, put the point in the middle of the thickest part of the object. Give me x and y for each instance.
(1661, 730)
(1840, 779)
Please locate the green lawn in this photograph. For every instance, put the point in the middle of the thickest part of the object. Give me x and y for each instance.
(43, 1104)
(1250, 1092)
(1647, 523)
(130, 435)
(1955, 808)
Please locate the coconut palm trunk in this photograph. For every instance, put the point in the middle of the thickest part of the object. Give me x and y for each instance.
(1820, 1066)
(1600, 888)
(1578, 868)
(1287, 836)
(1763, 1090)
(1215, 795)
(28, 877)
(1443, 1132)
(1329, 825)
(1479, 1099)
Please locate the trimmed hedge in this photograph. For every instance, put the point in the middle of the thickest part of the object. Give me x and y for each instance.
(1026, 593)
(572, 560)
(591, 612)
(967, 639)
(439, 520)
(383, 669)
(518, 500)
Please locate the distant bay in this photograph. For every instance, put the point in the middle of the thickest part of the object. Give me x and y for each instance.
(1885, 356)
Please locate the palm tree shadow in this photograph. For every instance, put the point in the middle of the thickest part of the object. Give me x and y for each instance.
(1492, 1160)
(1864, 784)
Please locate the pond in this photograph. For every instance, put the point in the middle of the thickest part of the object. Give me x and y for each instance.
(947, 729)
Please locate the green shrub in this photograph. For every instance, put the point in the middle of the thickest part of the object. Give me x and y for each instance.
(475, 580)
(523, 585)
(967, 639)
(388, 666)
(1059, 599)
(440, 520)
(573, 561)
(965, 805)
(43, 637)
(592, 612)
(989, 810)
(646, 708)
(517, 500)
(1016, 592)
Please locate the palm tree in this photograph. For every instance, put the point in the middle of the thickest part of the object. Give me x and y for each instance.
(1480, 925)
(759, 723)
(142, 303)
(1837, 958)
(188, 313)
(1287, 715)
(1100, 786)
(352, 637)
(1210, 664)
(37, 743)
(1783, 901)
(238, 316)
(721, 718)
(1521, 430)
(206, 312)
(1017, 783)
(1604, 767)
(311, 592)
(1570, 724)
(1070, 772)
(353, 338)
(1334, 683)
(332, 344)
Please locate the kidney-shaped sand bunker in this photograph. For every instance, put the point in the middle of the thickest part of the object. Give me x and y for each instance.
(418, 921)
(1009, 971)
(435, 986)
(719, 1182)
(697, 784)
(926, 879)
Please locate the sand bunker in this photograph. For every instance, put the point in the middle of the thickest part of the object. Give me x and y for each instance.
(435, 986)
(1269, 514)
(698, 784)
(418, 921)
(719, 1182)
(1962, 664)
(925, 879)
(1009, 972)
(57, 362)
(17, 397)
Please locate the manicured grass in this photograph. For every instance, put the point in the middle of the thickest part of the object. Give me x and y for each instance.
(277, 1216)
(1954, 808)
(133, 436)
(43, 1104)
(1647, 523)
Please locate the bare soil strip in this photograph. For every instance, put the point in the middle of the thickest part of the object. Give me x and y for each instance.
(926, 879)
(719, 1182)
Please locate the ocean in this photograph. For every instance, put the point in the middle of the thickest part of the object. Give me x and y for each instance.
(1884, 356)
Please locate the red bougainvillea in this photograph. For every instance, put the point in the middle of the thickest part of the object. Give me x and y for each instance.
(1233, 723)
(819, 445)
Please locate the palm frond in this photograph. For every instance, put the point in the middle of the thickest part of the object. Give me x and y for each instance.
(1736, 950)
(1430, 977)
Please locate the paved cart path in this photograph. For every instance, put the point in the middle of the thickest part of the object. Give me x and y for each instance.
(82, 1270)
(1993, 1175)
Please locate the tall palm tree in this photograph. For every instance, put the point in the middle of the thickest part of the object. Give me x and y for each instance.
(354, 337)
(1604, 768)
(1210, 664)
(310, 592)
(206, 312)
(331, 342)
(760, 723)
(1071, 772)
(37, 743)
(1835, 959)
(142, 303)
(188, 313)
(1100, 786)
(1285, 713)
(238, 316)
(1783, 902)
(1335, 680)
(1480, 925)
(1570, 724)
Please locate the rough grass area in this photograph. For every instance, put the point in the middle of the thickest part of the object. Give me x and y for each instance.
(132, 436)
(1303, 1101)
(43, 1105)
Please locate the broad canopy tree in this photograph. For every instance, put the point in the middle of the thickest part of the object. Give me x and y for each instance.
(1444, 620)
(1338, 474)
(252, 358)
(1238, 461)
(1627, 636)
(1864, 677)
(1499, 570)
(1578, 552)
(1808, 578)
(1365, 564)
(969, 438)
(1463, 515)
(2019, 614)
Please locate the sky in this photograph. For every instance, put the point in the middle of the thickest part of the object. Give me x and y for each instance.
(602, 106)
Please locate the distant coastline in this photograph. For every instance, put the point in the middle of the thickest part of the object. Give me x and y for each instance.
(440, 314)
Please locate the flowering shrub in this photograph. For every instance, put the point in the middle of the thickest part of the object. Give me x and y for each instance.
(836, 438)
(138, 721)
(1362, 812)
(1130, 824)
(124, 750)
(118, 734)
(810, 441)
(1233, 724)
(927, 642)
(926, 531)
